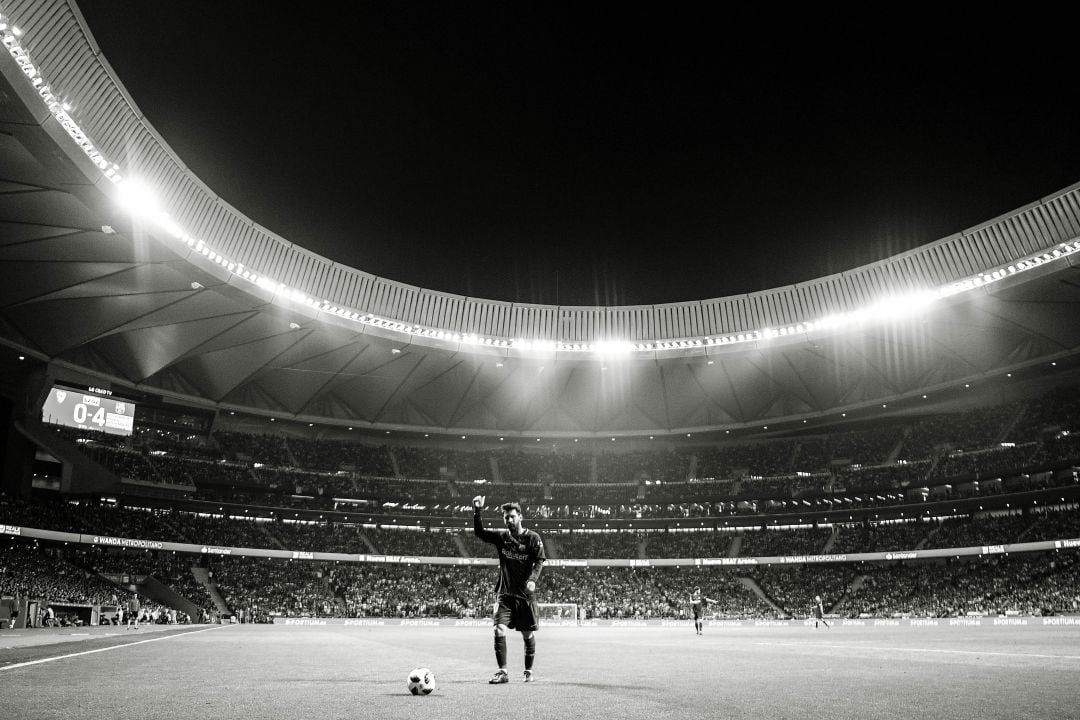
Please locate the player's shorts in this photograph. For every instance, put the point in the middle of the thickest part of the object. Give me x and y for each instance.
(517, 613)
(697, 613)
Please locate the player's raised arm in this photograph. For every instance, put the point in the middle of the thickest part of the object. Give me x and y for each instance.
(478, 526)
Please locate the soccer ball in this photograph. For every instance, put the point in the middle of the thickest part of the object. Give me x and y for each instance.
(421, 681)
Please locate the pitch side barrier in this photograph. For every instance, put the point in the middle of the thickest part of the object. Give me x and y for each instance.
(969, 621)
(138, 544)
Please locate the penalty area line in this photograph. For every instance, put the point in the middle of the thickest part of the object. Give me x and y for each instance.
(114, 647)
(923, 650)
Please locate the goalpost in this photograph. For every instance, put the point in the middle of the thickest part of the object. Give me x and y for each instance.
(558, 613)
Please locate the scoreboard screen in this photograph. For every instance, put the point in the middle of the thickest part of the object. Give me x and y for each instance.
(88, 411)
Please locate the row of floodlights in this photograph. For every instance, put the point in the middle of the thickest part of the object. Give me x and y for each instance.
(140, 201)
(892, 309)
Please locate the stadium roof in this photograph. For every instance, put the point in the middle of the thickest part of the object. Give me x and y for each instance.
(205, 306)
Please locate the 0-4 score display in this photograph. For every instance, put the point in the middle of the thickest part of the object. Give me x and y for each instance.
(89, 411)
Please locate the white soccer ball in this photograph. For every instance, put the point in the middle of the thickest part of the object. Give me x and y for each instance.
(421, 681)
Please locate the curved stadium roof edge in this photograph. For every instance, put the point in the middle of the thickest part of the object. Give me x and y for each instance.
(177, 310)
(61, 47)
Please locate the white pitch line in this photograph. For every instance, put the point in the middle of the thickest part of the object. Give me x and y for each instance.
(924, 650)
(114, 647)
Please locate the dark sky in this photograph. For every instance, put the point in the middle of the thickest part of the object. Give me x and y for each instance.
(579, 154)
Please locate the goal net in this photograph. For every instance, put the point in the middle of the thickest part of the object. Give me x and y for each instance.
(558, 613)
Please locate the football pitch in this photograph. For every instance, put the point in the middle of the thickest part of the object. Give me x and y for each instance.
(280, 672)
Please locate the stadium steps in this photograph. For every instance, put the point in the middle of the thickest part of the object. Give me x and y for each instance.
(202, 576)
(496, 474)
(551, 547)
(828, 546)
(367, 542)
(1029, 529)
(340, 607)
(926, 540)
(751, 585)
(394, 462)
(289, 453)
(174, 527)
(735, 546)
(165, 595)
(851, 591)
(273, 538)
(459, 543)
(891, 458)
(81, 474)
(1017, 416)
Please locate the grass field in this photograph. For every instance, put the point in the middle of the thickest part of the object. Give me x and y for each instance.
(280, 672)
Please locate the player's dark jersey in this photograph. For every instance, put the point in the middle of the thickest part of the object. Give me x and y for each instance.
(698, 603)
(520, 558)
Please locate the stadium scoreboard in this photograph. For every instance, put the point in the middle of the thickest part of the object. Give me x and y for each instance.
(89, 410)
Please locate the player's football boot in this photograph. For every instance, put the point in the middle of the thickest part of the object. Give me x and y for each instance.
(499, 678)
(528, 677)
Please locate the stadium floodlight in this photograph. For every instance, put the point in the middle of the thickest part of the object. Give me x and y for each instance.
(138, 199)
(609, 348)
(898, 307)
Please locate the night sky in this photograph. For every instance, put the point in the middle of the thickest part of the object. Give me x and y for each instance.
(581, 154)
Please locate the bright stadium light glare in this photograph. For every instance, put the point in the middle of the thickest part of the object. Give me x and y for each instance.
(138, 199)
(607, 348)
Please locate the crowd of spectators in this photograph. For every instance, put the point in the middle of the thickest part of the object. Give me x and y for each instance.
(456, 539)
(979, 452)
(793, 588)
(261, 448)
(881, 536)
(966, 430)
(621, 545)
(33, 571)
(672, 544)
(638, 466)
(544, 466)
(975, 452)
(1030, 585)
(259, 588)
(769, 542)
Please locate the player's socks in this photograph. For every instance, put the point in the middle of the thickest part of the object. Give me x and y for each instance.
(530, 651)
(500, 650)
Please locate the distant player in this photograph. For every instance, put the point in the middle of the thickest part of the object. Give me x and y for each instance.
(819, 612)
(698, 604)
(133, 609)
(521, 557)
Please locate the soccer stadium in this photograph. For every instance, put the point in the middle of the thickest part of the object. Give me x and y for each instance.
(239, 477)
